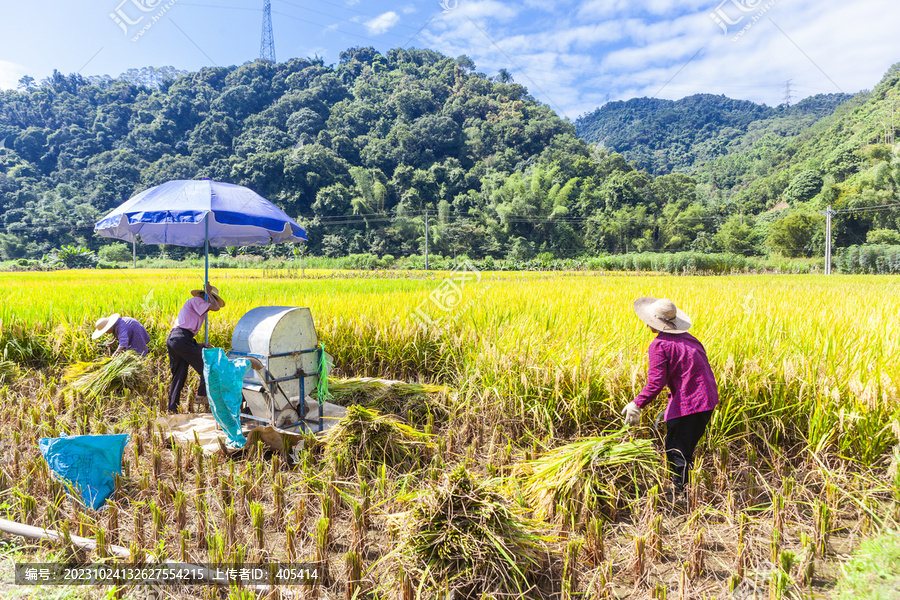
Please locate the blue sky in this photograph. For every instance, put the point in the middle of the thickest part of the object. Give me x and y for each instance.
(571, 55)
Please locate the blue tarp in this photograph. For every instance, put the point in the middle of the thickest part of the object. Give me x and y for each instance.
(224, 380)
(88, 462)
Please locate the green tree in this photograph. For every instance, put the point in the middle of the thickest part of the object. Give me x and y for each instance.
(738, 235)
(798, 234)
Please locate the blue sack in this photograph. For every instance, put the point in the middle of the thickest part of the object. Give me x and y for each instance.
(224, 382)
(88, 462)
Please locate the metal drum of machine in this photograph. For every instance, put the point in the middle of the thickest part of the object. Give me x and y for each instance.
(284, 340)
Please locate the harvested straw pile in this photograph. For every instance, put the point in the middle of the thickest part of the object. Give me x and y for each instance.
(393, 397)
(99, 378)
(364, 436)
(462, 540)
(8, 371)
(590, 474)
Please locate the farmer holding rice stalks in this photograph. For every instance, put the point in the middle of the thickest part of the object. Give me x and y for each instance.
(129, 332)
(184, 351)
(677, 361)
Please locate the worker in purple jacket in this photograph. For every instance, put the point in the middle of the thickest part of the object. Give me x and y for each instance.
(183, 349)
(677, 361)
(128, 333)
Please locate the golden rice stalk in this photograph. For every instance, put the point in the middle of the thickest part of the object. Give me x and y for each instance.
(462, 536)
(420, 400)
(97, 379)
(366, 437)
(592, 469)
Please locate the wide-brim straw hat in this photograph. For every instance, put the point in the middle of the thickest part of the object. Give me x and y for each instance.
(214, 292)
(662, 315)
(104, 324)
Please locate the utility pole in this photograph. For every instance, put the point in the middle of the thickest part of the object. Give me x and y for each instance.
(426, 239)
(828, 214)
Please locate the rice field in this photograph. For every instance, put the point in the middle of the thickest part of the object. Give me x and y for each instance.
(494, 473)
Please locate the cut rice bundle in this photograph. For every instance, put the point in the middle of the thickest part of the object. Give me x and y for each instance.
(101, 377)
(590, 474)
(366, 437)
(462, 537)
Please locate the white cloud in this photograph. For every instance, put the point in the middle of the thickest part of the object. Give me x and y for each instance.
(578, 52)
(408, 9)
(382, 22)
(482, 10)
(10, 73)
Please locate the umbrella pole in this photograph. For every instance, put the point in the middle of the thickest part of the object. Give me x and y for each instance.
(206, 283)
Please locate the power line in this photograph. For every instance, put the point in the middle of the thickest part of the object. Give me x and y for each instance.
(876, 208)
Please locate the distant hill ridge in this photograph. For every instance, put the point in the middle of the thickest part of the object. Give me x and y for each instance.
(666, 136)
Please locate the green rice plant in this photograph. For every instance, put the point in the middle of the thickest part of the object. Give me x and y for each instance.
(98, 379)
(593, 469)
(594, 545)
(202, 509)
(230, 527)
(696, 555)
(655, 538)
(353, 588)
(291, 543)
(602, 583)
(321, 535)
(822, 517)
(100, 538)
(258, 517)
(358, 526)
(570, 569)
(807, 565)
(461, 535)
(159, 520)
(639, 566)
(112, 521)
(365, 437)
(139, 526)
(180, 502)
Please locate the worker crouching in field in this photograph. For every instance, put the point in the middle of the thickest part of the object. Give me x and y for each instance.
(129, 333)
(677, 361)
(184, 351)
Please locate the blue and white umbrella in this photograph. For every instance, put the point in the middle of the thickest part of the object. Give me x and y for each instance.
(199, 213)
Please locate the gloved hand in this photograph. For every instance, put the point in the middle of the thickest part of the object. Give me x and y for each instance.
(632, 414)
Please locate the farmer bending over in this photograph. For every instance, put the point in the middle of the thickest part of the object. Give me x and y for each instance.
(129, 332)
(183, 349)
(677, 361)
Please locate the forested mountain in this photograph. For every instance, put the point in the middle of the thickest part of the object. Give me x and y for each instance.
(357, 152)
(665, 136)
(360, 150)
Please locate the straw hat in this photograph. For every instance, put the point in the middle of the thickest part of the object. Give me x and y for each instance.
(662, 314)
(103, 325)
(213, 291)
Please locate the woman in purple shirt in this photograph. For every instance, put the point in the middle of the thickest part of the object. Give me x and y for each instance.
(184, 351)
(677, 361)
(129, 333)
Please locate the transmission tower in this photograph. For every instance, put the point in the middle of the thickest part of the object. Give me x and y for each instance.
(787, 92)
(267, 41)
